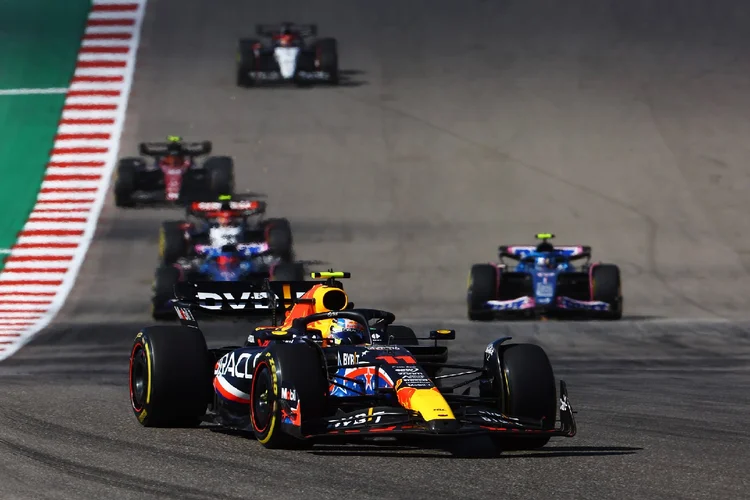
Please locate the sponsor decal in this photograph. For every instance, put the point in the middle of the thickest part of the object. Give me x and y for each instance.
(236, 366)
(356, 420)
(566, 303)
(184, 314)
(252, 300)
(348, 358)
(515, 304)
(489, 351)
(413, 376)
(288, 394)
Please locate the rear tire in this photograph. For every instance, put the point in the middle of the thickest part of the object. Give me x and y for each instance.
(328, 58)
(220, 170)
(288, 272)
(164, 281)
(279, 238)
(172, 244)
(482, 288)
(125, 182)
(529, 392)
(607, 287)
(295, 366)
(170, 376)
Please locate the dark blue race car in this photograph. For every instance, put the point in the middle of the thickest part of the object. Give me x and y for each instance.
(242, 262)
(544, 283)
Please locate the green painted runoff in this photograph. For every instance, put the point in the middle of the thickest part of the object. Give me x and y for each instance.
(39, 42)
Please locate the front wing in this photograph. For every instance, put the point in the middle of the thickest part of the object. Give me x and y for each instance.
(529, 304)
(276, 76)
(394, 421)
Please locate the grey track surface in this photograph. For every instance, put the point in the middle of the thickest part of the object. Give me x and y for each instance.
(465, 124)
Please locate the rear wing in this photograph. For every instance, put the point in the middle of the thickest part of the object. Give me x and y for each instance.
(519, 252)
(242, 208)
(186, 148)
(274, 29)
(232, 298)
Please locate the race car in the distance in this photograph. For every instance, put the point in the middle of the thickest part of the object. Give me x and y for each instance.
(544, 283)
(230, 220)
(229, 263)
(172, 175)
(324, 370)
(287, 52)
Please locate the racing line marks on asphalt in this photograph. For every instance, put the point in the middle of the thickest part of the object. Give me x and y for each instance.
(42, 266)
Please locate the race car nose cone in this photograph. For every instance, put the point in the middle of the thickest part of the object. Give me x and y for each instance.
(443, 426)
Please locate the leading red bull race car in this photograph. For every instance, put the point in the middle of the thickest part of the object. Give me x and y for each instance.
(325, 370)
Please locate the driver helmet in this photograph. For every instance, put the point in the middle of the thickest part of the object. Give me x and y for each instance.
(544, 262)
(347, 332)
(224, 218)
(175, 156)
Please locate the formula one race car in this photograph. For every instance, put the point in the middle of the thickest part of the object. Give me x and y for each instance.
(544, 283)
(287, 53)
(174, 176)
(331, 371)
(228, 221)
(230, 263)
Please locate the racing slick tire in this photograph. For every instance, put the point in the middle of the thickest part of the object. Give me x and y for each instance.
(220, 170)
(165, 278)
(126, 181)
(170, 376)
(481, 288)
(328, 57)
(286, 271)
(172, 244)
(300, 369)
(525, 385)
(245, 62)
(278, 233)
(606, 287)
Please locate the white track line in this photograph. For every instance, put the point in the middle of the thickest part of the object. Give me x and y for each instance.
(43, 265)
(33, 91)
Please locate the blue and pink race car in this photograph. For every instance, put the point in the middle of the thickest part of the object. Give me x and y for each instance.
(545, 282)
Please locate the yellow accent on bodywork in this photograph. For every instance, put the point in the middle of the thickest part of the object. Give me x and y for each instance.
(544, 236)
(431, 405)
(148, 368)
(327, 274)
(272, 423)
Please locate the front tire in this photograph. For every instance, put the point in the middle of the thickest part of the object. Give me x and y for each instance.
(526, 385)
(328, 58)
(170, 376)
(126, 181)
(606, 287)
(245, 62)
(299, 368)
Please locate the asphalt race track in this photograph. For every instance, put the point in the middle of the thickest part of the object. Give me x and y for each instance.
(461, 125)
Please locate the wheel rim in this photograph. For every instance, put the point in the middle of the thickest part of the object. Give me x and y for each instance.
(138, 378)
(262, 403)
